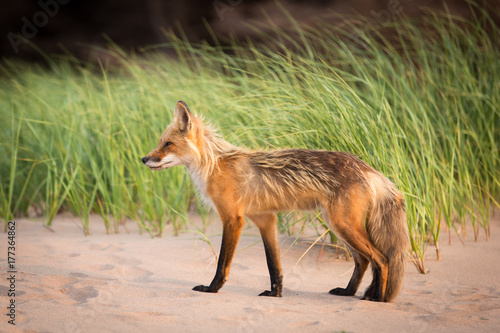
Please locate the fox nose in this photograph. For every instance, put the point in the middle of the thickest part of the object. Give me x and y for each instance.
(145, 159)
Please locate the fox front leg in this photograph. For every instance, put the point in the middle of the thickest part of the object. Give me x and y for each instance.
(230, 236)
(267, 224)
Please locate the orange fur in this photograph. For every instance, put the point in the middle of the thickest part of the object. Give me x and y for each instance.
(362, 206)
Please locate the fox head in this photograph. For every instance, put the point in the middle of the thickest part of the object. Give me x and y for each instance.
(177, 143)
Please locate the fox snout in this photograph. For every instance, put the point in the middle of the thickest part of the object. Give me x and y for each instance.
(147, 159)
(155, 162)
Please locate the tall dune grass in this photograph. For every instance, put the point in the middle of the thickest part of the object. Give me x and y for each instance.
(422, 106)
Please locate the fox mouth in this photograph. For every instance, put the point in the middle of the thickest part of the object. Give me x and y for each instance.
(159, 167)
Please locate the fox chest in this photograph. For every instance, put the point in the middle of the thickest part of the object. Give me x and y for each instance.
(201, 185)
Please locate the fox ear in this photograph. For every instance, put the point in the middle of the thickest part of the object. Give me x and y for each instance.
(182, 116)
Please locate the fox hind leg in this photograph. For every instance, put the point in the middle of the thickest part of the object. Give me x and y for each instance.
(369, 291)
(348, 224)
(360, 266)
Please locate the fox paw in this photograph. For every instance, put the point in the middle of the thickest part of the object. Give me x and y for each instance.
(204, 289)
(371, 295)
(368, 298)
(341, 292)
(271, 293)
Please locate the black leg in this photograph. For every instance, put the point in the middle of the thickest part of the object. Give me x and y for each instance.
(267, 224)
(230, 236)
(360, 265)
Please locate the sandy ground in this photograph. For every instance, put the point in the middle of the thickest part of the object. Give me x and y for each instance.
(128, 282)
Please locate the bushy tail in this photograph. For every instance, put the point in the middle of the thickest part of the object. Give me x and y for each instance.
(388, 231)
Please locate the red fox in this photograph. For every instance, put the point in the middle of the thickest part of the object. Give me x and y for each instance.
(362, 206)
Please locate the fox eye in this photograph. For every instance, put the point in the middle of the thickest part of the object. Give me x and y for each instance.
(168, 144)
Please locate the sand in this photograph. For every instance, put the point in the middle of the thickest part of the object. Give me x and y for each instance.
(127, 282)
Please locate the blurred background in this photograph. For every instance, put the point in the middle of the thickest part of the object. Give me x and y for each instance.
(82, 27)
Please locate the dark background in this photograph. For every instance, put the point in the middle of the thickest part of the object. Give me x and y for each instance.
(80, 27)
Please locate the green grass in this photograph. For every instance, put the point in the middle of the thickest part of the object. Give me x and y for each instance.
(422, 107)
